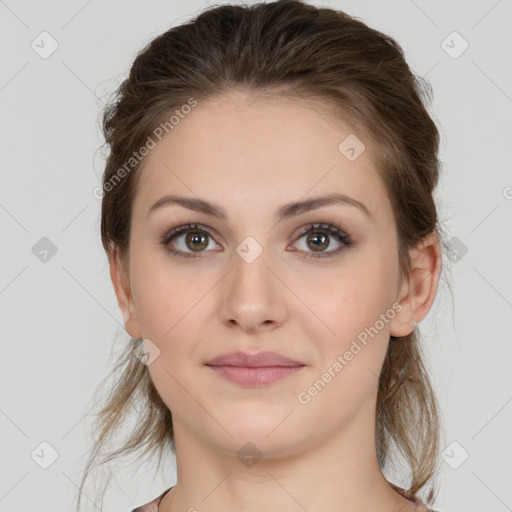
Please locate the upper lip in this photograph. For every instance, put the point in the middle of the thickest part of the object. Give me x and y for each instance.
(260, 359)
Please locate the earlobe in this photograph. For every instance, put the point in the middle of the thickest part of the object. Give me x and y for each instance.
(124, 296)
(418, 291)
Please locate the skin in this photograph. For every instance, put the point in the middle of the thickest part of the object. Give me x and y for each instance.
(251, 157)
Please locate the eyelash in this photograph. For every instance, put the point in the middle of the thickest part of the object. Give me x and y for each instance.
(327, 229)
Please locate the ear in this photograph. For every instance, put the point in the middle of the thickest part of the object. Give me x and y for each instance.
(418, 291)
(120, 280)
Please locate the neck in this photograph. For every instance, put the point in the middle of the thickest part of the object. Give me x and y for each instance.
(339, 473)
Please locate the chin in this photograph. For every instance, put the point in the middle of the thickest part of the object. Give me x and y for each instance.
(271, 436)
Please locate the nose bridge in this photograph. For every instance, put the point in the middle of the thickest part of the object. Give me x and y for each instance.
(250, 275)
(252, 297)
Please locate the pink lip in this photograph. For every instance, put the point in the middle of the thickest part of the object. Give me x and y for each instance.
(258, 369)
(258, 360)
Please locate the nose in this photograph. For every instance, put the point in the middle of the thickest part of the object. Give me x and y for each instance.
(253, 298)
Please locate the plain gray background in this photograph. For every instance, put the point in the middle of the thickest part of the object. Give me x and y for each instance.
(60, 316)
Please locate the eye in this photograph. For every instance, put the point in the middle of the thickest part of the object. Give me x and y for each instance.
(185, 237)
(318, 238)
(190, 240)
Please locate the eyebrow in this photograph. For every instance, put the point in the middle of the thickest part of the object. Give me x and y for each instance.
(284, 212)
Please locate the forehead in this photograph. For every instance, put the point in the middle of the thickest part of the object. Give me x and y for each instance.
(253, 147)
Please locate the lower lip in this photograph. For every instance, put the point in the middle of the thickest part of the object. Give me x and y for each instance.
(255, 376)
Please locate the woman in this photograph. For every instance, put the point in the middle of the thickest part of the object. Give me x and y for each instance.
(273, 241)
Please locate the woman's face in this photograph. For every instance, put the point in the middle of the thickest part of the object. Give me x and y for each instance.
(260, 277)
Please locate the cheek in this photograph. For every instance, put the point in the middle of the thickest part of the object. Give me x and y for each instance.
(354, 344)
(352, 349)
(353, 298)
(166, 299)
(170, 310)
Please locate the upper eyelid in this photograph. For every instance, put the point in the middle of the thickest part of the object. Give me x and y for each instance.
(322, 225)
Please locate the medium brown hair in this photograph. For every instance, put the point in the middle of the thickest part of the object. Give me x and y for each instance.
(277, 49)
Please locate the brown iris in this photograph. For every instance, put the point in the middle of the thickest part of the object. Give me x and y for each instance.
(196, 240)
(318, 236)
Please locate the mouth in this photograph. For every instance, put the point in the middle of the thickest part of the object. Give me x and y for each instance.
(255, 375)
(260, 369)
